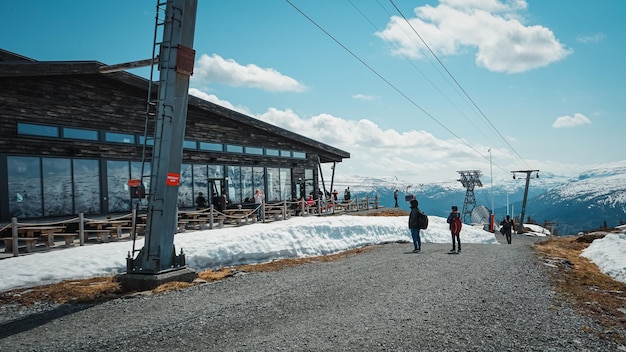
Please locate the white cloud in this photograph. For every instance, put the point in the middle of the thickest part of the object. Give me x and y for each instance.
(571, 121)
(214, 99)
(363, 97)
(411, 155)
(591, 38)
(215, 69)
(494, 28)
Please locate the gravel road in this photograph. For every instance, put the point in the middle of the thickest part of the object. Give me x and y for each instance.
(489, 298)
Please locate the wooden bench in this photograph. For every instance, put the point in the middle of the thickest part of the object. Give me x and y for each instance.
(29, 246)
(197, 223)
(67, 237)
(101, 235)
(275, 213)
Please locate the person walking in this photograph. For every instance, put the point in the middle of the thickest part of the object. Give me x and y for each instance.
(454, 219)
(414, 226)
(395, 197)
(507, 227)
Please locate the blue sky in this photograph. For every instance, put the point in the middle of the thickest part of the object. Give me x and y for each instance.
(540, 83)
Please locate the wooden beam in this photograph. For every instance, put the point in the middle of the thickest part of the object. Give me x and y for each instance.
(128, 65)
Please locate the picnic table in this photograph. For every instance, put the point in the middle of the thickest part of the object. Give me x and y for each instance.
(27, 234)
(240, 214)
(46, 231)
(105, 229)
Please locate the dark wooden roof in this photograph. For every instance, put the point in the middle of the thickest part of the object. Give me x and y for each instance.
(14, 65)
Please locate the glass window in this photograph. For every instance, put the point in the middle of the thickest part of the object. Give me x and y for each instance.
(37, 130)
(234, 184)
(118, 173)
(212, 146)
(119, 138)
(57, 187)
(273, 185)
(216, 171)
(308, 181)
(86, 186)
(77, 133)
(285, 153)
(24, 183)
(299, 155)
(272, 152)
(247, 189)
(200, 182)
(149, 140)
(258, 178)
(190, 145)
(254, 150)
(234, 148)
(185, 187)
(285, 184)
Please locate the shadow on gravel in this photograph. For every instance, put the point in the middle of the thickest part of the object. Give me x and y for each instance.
(34, 320)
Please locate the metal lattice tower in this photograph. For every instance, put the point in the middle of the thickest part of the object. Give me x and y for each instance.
(469, 179)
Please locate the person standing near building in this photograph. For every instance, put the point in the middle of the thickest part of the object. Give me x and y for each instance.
(507, 227)
(201, 201)
(414, 226)
(259, 196)
(454, 219)
(347, 195)
(395, 197)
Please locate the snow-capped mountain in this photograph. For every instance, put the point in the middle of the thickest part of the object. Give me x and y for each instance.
(574, 204)
(594, 199)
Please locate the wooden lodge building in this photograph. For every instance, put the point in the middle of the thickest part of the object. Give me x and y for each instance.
(73, 137)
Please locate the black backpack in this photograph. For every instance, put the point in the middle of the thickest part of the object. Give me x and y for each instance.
(422, 220)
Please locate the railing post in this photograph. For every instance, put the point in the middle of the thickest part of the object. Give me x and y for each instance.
(284, 209)
(376, 201)
(302, 206)
(263, 210)
(14, 235)
(211, 216)
(133, 223)
(81, 229)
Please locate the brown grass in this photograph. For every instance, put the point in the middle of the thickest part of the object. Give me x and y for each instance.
(579, 281)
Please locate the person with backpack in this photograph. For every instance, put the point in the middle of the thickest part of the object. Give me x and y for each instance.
(454, 219)
(507, 226)
(417, 223)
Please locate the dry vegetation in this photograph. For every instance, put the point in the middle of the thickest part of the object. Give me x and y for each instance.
(104, 288)
(575, 279)
(579, 281)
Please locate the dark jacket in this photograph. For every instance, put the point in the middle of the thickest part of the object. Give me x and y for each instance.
(413, 218)
(507, 225)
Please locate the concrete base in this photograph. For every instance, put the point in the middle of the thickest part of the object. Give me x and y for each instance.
(143, 282)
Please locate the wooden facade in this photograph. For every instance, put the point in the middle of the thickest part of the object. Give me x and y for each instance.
(101, 117)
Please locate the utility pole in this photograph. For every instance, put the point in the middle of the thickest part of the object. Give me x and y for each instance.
(493, 214)
(469, 179)
(520, 225)
(158, 262)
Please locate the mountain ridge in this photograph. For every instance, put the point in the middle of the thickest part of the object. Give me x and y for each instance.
(584, 202)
